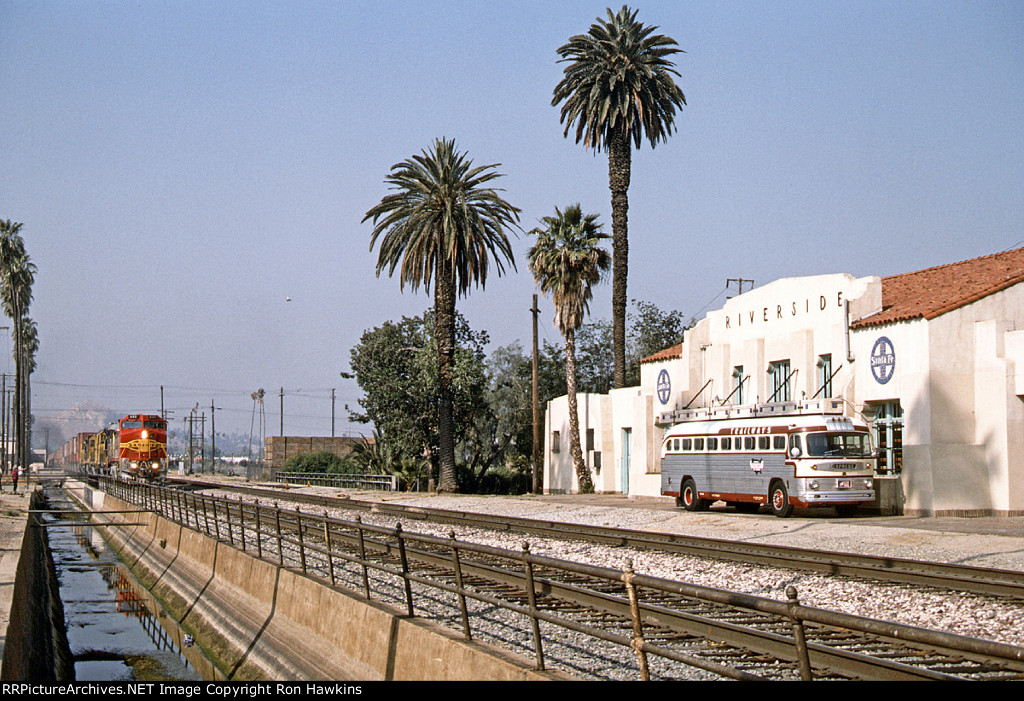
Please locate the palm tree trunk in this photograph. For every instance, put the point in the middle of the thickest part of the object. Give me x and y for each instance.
(19, 371)
(444, 335)
(582, 473)
(620, 153)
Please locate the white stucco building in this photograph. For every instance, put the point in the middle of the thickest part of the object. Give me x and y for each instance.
(933, 360)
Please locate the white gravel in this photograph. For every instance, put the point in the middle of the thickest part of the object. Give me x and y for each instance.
(965, 614)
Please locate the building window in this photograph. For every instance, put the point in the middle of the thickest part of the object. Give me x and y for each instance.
(590, 439)
(825, 376)
(739, 392)
(778, 381)
(556, 441)
(889, 438)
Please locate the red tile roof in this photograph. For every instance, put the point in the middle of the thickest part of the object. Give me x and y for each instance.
(667, 354)
(929, 293)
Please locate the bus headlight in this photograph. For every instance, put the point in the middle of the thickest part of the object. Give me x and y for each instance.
(813, 484)
(868, 484)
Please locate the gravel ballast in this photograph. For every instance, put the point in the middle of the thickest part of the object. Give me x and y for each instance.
(966, 614)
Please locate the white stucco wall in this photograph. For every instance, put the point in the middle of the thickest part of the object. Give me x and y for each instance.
(956, 377)
(959, 379)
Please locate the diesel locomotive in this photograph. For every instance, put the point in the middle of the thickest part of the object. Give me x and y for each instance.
(136, 448)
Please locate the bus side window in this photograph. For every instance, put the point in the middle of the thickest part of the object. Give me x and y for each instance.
(698, 444)
(727, 443)
(712, 444)
(748, 442)
(763, 443)
(687, 444)
(780, 443)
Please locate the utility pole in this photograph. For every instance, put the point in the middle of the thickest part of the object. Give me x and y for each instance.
(538, 475)
(332, 412)
(739, 281)
(189, 422)
(282, 412)
(213, 441)
(202, 442)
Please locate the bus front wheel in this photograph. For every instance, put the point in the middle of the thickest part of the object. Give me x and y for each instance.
(688, 495)
(779, 499)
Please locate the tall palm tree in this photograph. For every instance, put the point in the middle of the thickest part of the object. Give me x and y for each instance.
(441, 227)
(17, 274)
(617, 88)
(567, 261)
(29, 348)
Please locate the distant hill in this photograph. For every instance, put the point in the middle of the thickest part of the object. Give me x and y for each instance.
(84, 417)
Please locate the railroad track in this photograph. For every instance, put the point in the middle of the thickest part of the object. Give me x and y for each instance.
(963, 578)
(725, 633)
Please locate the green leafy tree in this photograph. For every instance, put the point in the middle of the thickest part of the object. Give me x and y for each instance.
(443, 226)
(617, 87)
(500, 434)
(395, 367)
(567, 261)
(649, 330)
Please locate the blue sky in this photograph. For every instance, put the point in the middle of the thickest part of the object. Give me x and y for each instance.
(182, 168)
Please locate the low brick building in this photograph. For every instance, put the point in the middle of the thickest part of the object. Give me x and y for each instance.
(281, 448)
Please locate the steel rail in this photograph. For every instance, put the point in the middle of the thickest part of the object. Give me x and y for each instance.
(943, 649)
(751, 637)
(745, 637)
(965, 578)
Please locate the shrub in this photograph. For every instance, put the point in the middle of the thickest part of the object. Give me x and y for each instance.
(323, 462)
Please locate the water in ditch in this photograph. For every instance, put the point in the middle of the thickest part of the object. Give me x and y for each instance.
(116, 629)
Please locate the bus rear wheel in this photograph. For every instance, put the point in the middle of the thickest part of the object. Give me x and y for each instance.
(689, 498)
(779, 498)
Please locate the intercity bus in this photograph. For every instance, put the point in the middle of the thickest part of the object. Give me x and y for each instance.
(785, 456)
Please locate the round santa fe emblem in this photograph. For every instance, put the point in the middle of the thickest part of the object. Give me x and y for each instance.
(664, 387)
(883, 360)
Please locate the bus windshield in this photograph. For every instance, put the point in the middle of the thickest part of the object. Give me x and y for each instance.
(843, 445)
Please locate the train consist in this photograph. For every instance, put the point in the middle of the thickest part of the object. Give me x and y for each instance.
(136, 448)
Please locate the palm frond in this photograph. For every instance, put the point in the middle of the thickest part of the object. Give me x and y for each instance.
(618, 78)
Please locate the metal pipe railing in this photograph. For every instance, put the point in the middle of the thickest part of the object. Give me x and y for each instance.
(387, 551)
(387, 483)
